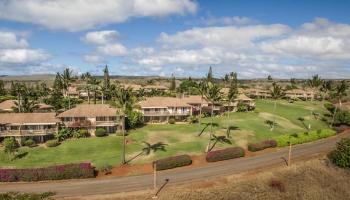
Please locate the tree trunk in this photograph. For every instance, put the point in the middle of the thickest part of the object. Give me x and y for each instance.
(102, 97)
(211, 126)
(274, 117)
(123, 145)
(68, 101)
(335, 111)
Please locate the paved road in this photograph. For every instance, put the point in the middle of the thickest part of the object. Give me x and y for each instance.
(176, 176)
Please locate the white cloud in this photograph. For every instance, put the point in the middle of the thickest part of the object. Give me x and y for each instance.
(112, 50)
(101, 37)
(11, 40)
(22, 56)
(303, 45)
(236, 20)
(320, 46)
(76, 15)
(227, 36)
(91, 58)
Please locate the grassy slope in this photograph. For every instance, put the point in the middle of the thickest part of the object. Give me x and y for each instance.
(181, 138)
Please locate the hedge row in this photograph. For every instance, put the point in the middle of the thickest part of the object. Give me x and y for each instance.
(225, 154)
(59, 172)
(262, 145)
(283, 140)
(172, 162)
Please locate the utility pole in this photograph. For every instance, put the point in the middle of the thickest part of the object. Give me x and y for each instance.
(290, 153)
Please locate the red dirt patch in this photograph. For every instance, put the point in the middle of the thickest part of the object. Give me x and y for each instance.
(127, 170)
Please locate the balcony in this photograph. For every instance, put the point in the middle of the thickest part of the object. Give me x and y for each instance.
(165, 113)
(7, 133)
(87, 123)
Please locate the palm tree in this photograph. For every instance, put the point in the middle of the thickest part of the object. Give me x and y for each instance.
(201, 87)
(212, 95)
(159, 146)
(326, 87)
(233, 91)
(25, 105)
(339, 93)
(94, 84)
(276, 93)
(19, 89)
(315, 82)
(67, 78)
(125, 100)
(220, 139)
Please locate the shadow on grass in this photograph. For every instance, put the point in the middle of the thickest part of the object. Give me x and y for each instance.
(206, 126)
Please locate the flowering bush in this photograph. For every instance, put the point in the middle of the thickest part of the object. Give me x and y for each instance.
(172, 162)
(225, 154)
(69, 171)
(262, 145)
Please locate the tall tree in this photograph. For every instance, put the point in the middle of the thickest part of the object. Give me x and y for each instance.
(233, 91)
(326, 88)
(212, 95)
(201, 87)
(173, 83)
(276, 93)
(19, 89)
(67, 78)
(339, 93)
(315, 83)
(25, 104)
(210, 75)
(94, 83)
(106, 86)
(125, 100)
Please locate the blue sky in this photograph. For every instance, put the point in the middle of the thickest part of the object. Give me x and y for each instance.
(283, 38)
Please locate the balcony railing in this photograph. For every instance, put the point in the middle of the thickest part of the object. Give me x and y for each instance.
(165, 113)
(87, 123)
(27, 132)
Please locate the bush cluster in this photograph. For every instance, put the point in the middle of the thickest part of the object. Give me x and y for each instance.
(283, 140)
(172, 162)
(341, 155)
(225, 154)
(82, 133)
(100, 132)
(52, 143)
(29, 143)
(171, 121)
(262, 145)
(59, 172)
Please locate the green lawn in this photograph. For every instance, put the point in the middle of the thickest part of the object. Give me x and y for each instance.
(180, 138)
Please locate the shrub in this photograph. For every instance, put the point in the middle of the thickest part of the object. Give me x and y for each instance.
(342, 118)
(10, 145)
(100, 132)
(52, 143)
(171, 121)
(225, 154)
(262, 145)
(26, 196)
(82, 133)
(341, 155)
(59, 172)
(172, 162)
(64, 134)
(106, 169)
(283, 140)
(134, 119)
(192, 119)
(29, 143)
(330, 107)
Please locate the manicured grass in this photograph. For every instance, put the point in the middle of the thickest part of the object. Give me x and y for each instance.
(180, 138)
